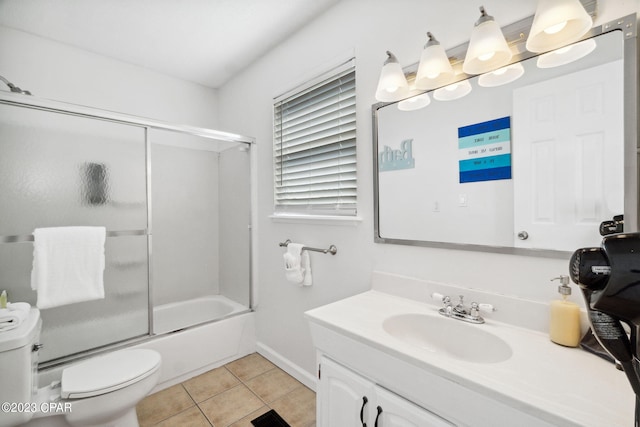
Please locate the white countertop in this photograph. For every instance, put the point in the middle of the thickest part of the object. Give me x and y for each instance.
(567, 385)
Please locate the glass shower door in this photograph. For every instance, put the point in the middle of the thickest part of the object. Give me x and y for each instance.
(201, 239)
(65, 170)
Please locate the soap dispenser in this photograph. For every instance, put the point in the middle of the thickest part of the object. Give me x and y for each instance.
(564, 325)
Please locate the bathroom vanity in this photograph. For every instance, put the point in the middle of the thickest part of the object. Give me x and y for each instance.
(387, 358)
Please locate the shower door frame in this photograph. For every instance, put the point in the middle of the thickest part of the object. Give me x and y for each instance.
(32, 102)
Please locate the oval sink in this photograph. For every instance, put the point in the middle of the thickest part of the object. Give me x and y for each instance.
(452, 337)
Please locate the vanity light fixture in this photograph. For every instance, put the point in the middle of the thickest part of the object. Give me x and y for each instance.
(488, 53)
(566, 55)
(556, 24)
(414, 103)
(392, 85)
(434, 69)
(453, 91)
(501, 76)
(488, 50)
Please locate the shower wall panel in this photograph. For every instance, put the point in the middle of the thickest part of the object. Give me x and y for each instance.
(185, 215)
(235, 218)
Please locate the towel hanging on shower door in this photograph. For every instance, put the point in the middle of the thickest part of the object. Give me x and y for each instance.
(68, 265)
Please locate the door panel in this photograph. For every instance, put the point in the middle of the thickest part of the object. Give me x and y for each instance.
(567, 156)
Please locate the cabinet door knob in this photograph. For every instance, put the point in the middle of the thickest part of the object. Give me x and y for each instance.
(378, 416)
(523, 235)
(364, 402)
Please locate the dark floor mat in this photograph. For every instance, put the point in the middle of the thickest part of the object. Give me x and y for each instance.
(270, 419)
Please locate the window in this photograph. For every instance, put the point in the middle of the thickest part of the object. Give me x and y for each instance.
(315, 146)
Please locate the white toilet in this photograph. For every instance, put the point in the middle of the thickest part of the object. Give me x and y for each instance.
(101, 391)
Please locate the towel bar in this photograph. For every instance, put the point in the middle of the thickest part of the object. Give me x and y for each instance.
(332, 249)
(29, 237)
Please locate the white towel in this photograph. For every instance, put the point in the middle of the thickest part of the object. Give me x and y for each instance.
(12, 316)
(292, 263)
(297, 265)
(306, 267)
(68, 265)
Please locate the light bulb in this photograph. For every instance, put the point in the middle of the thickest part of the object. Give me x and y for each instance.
(555, 28)
(487, 56)
(501, 76)
(453, 91)
(557, 23)
(392, 85)
(434, 69)
(566, 55)
(488, 49)
(414, 103)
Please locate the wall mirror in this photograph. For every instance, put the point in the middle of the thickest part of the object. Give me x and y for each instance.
(531, 167)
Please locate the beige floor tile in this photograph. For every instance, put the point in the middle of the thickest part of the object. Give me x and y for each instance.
(298, 408)
(246, 421)
(249, 366)
(162, 405)
(272, 384)
(230, 406)
(210, 383)
(192, 417)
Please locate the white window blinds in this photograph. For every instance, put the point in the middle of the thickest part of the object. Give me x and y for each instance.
(315, 147)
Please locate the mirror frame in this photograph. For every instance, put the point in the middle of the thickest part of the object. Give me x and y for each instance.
(516, 34)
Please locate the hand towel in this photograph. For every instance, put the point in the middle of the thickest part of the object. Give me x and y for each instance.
(292, 263)
(306, 267)
(12, 316)
(68, 265)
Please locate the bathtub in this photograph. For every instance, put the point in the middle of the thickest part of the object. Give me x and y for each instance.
(182, 314)
(218, 330)
(194, 350)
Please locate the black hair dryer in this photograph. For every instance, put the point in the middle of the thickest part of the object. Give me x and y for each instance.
(609, 277)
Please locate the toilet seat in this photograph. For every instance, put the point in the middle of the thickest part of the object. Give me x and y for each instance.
(108, 373)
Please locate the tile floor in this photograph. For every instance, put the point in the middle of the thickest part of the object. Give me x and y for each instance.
(231, 396)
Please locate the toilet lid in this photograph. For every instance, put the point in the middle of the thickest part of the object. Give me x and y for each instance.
(107, 373)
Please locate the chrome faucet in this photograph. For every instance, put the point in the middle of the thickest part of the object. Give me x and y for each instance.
(469, 314)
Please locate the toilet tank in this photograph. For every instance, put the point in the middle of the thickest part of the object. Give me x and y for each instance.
(18, 370)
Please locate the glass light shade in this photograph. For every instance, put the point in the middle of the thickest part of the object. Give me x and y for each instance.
(414, 103)
(566, 55)
(502, 76)
(435, 69)
(557, 23)
(453, 91)
(488, 50)
(392, 85)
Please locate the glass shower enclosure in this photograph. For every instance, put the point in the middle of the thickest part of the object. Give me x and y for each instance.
(176, 203)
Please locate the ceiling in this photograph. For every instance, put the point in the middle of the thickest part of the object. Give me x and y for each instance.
(203, 41)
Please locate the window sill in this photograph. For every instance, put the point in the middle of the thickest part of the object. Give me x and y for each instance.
(316, 219)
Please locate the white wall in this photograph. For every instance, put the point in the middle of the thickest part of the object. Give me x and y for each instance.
(57, 71)
(365, 28)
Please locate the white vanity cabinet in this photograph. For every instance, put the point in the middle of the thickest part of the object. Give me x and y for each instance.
(346, 398)
(540, 384)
